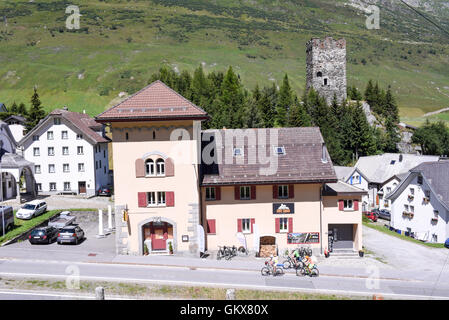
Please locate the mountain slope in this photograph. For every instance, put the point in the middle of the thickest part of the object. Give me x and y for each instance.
(121, 43)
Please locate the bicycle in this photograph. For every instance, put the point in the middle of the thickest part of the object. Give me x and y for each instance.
(306, 271)
(231, 252)
(292, 263)
(268, 269)
(221, 252)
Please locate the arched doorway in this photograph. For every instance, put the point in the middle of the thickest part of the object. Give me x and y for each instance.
(267, 246)
(157, 236)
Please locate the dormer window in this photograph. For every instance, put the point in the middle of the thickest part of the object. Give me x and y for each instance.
(238, 152)
(57, 121)
(279, 150)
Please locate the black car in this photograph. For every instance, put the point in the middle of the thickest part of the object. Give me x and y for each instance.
(104, 191)
(43, 235)
(384, 214)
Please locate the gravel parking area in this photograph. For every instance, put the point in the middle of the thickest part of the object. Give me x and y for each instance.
(68, 202)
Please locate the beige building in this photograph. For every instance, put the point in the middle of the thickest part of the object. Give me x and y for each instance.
(180, 189)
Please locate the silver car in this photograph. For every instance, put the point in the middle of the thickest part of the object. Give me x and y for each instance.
(31, 209)
(70, 234)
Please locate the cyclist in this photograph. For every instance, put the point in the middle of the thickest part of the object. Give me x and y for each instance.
(273, 263)
(309, 263)
(296, 257)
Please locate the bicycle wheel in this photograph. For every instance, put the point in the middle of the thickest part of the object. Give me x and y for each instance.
(287, 264)
(265, 271)
(315, 273)
(301, 272)
(280, 271)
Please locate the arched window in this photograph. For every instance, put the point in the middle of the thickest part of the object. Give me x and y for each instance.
(326, 82)
(319, 74)
(160, 167)
(149, 167)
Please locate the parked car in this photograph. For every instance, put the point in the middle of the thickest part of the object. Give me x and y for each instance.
(384, 214)
(65, 218)
(70, 234)
(6, 216)
(371, 215)
(104, 191)
(446, 244)
(43, 235)
(31, 209)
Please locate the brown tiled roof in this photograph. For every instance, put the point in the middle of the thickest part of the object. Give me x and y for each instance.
(80, 122)
(302, 162)
(155, 101)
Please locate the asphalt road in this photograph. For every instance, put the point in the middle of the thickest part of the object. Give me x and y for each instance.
(401, 289)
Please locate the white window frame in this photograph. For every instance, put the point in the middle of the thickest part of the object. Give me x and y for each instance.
(160, 167)
(283, 191)
(52, 184)
(406, 208)
(36, 152)
(53, 151)
(246, 192)
(64, 166)
(35, 137)
(50, 135)
(57, 121)
(36, 167)
(64, 135)
(283, 225)
(161, 198)
(150, 168)
(346, 206)
(39, 186)
(211, 193)
(151, 199)
(65, 154)
(81, 167)
(51, 165)
(67, 183)
(246, 225)
(80, 150)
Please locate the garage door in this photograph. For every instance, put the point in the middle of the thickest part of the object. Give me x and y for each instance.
(343, 235)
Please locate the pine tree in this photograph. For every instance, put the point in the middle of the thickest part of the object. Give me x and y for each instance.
(36, 112)
(252, 117)
(391, 109)
(268, 103)
(284, 103)
(22, 110)
(298, 116)
(14, 108)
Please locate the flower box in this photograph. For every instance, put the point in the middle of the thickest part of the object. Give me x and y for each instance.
(434, 220)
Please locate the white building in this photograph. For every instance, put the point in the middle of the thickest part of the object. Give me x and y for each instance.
(70, 153)
(16, 173)
(420, 203)
(17, 126)
(380, 174)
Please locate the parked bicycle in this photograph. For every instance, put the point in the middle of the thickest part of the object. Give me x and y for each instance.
(231, 252)
(221, 252)
(268, 269)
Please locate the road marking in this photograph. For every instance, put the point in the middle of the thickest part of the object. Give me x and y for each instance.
(234, 285)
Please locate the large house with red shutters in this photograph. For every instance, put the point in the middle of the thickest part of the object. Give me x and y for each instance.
(183, 190)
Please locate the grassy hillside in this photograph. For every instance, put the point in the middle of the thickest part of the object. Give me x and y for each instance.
(122, 42)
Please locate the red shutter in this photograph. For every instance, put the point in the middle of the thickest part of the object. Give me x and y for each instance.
(340, 205)
(169, 167)
(237, 193)
(275, 191)
(170, 199)
(140, 168)
(253, 192)
(278, 225)
(253, 221)
(290, 225)
(356, 205)
(239, 225)
(217, 193)
(211, 226)
(291, 190)
(142, 199)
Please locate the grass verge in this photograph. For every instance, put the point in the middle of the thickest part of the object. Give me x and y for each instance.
(22, 226)
(141, 291)
(400, 236)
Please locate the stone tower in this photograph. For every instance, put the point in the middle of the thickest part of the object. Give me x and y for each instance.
(326, 67)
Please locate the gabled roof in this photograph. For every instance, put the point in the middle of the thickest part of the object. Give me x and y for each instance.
(15, 117)
(341, 188)
(301, 163)
(343, 173)
(436, 174)
(154, 102)
(379, 168)
(79, 122)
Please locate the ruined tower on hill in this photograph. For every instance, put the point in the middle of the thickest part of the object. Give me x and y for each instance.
(326, 67)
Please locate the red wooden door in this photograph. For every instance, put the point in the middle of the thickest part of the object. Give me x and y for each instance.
(159, 237)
